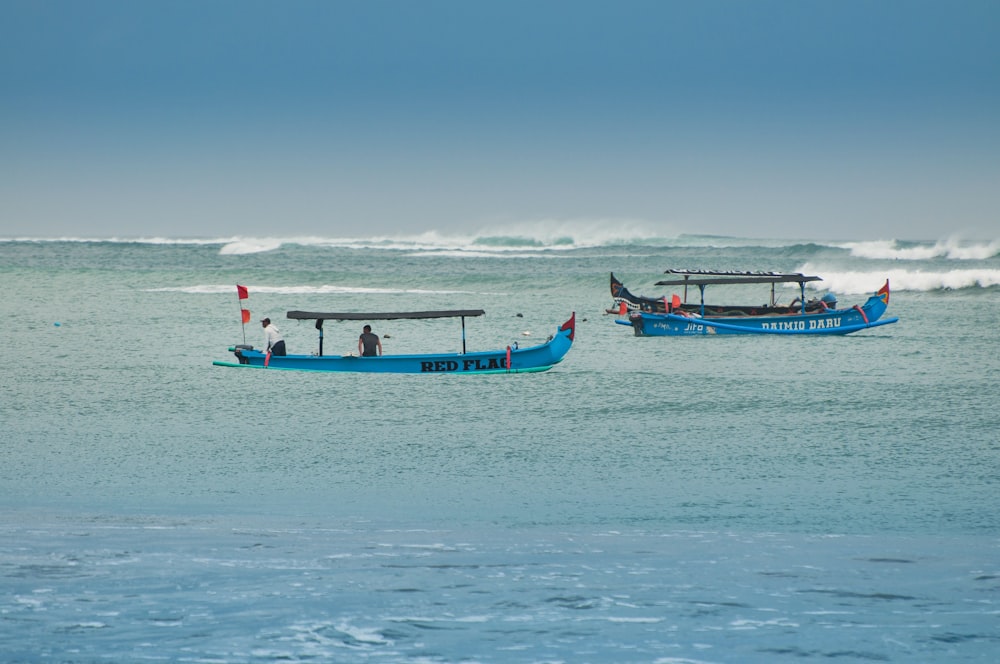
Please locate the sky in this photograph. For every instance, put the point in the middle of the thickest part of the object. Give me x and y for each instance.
(819, 119)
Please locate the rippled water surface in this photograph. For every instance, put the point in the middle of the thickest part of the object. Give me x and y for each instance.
(647, 500)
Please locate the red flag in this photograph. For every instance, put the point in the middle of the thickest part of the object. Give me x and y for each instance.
(884, 292)
(246, 315)
(242, 292)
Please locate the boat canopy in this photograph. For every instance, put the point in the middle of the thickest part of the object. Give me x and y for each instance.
(710, 277)
(318, 315)
(702, 278)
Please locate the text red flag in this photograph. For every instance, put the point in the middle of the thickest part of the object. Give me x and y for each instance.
(242, 292)
(246, 315)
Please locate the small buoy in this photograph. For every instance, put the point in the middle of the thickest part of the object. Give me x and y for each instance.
(520, 315)
(57, 324)
(526, 333)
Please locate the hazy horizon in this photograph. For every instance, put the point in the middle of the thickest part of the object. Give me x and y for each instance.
(774, 119)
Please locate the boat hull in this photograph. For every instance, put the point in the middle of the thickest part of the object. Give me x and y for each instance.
(521, 360)
(831, 322)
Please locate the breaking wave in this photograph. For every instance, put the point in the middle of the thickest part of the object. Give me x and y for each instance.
(951, 248)
(868, 281)
(554, 236)
(213, 289)
(523, 238)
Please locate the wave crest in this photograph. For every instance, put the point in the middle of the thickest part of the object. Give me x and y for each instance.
(951, 248)
(857, 282)
(215, 289)
(551, 235)
(249, 246)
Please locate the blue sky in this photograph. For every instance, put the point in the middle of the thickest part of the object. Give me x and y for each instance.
(780, 119)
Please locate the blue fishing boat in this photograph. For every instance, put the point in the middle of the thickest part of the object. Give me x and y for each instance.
(512, 359)
(820, 316)
(624, 300)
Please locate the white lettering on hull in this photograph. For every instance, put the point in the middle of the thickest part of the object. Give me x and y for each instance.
(780, 325)
(796, 325)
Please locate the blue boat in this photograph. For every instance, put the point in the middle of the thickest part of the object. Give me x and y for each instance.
(802, 317)
(625, 301)
(512, 359)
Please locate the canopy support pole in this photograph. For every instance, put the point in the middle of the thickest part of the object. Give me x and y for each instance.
(319, 326)
(463, 335)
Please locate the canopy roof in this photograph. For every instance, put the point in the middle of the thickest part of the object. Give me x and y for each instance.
(318, 315)
(708, 277)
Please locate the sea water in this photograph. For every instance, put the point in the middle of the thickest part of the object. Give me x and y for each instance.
(711, 499)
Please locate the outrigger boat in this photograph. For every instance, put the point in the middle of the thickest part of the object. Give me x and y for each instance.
(625, 301)
(511, 359)
(822, 318)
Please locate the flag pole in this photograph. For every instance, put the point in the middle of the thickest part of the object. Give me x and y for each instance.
(242, 294)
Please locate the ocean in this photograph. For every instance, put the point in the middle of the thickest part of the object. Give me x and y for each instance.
(661, 500)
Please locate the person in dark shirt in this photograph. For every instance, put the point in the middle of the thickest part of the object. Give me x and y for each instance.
(369, 345)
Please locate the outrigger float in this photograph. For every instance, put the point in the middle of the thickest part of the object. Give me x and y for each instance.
(821, 316)
(512, 359)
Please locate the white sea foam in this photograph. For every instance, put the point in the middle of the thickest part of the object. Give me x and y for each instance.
(557, 237)
(951, 248)
(117, 240)
(463, 253)
(651, 620)
(212, 289)
(951, 280)
(854, 282)
(367, 635)
(249, 246)
(525, 236)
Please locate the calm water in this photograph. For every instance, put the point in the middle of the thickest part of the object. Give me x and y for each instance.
(648, 500)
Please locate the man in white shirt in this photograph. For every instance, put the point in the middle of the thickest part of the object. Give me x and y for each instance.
(273, 341)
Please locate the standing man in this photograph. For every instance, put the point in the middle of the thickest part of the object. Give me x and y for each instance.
(369, 345)
(273, 341)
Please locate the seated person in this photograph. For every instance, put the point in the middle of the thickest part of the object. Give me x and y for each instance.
(369, 345)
